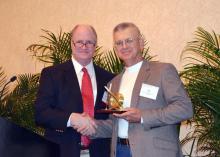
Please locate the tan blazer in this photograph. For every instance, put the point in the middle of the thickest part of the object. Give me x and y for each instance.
(157, 136)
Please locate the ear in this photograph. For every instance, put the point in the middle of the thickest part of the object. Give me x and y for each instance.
(141, 42)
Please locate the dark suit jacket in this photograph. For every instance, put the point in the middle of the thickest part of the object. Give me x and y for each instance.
(58, 96)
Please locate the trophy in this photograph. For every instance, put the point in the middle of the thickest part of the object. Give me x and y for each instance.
(115, 100)
(114, 103)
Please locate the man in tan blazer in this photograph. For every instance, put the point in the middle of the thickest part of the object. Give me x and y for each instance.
(154, 100)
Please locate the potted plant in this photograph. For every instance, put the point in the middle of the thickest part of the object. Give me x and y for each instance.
(202, 81)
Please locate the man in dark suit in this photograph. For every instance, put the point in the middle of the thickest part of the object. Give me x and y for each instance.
(59, 103)
(155, 102)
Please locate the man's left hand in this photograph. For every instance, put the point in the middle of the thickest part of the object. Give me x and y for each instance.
(132, 115)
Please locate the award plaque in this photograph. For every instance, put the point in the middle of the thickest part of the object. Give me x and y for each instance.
(114, 103)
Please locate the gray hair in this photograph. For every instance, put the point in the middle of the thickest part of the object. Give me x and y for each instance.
(124, 25)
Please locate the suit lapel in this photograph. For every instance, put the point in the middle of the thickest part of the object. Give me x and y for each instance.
(143, 75)
(116, 82)
(73, 85)
(99, 83)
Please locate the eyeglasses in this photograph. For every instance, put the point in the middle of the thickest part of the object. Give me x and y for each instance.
(88, 44)
(127, 41)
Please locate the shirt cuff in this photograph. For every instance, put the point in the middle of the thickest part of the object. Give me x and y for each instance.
(68, 123)
(142, 121)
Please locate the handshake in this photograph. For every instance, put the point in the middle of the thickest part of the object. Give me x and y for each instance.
(83, 123)
(88, 126)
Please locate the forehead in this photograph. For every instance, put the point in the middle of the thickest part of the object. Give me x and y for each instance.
(83, 33)
(129, 32)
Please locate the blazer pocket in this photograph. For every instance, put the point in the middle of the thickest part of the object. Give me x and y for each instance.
(142, 98)
(146, 103)
(165, 144)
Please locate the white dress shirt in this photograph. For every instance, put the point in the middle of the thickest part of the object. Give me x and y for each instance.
(90, 68)
(126, 87)
(79, 73)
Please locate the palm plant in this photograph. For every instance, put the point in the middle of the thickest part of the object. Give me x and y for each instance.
(55, 50)
(21, 100)
(2, 82)
(18, 105)
(202, 80)
(3, 93)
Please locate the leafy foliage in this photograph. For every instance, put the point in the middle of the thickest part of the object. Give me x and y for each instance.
(3, 110)
(55, 50)
(19, 103)
(202, 76)
(22, 99)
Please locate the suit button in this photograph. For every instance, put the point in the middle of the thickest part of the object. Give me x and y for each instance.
(61, 131)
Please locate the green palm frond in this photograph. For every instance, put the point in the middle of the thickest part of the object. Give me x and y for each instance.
(202, 80)
(2, 84)
(206, 47)
(3, 93)
(109, 61)
(2, 77)
(145, 52)
(20, 102)
(55, 50)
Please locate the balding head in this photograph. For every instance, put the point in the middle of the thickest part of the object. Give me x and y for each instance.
(83, 43)
(84, 26)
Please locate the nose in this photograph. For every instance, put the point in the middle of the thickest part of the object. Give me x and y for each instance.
(84, 46)
(124, 44)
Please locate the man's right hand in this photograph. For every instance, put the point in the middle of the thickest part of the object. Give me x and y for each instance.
(83, 123)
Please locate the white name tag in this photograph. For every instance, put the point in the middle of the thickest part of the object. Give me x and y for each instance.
(149, 91)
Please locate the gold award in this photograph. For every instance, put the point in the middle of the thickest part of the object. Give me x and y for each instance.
(115, 100)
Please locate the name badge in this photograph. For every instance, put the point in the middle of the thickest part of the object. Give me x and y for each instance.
(149, 91)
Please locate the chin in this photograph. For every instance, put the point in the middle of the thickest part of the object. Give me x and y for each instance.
(85, 56)
(125, 57)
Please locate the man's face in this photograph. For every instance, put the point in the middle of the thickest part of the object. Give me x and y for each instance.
(128, 45)
(83, 44)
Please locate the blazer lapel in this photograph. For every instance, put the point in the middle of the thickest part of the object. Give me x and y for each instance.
(73, 85)
(143, 75)
(116, 82)
(99, 83)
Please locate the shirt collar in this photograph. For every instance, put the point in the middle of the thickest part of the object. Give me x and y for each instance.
(134, 68)
(78, 67)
